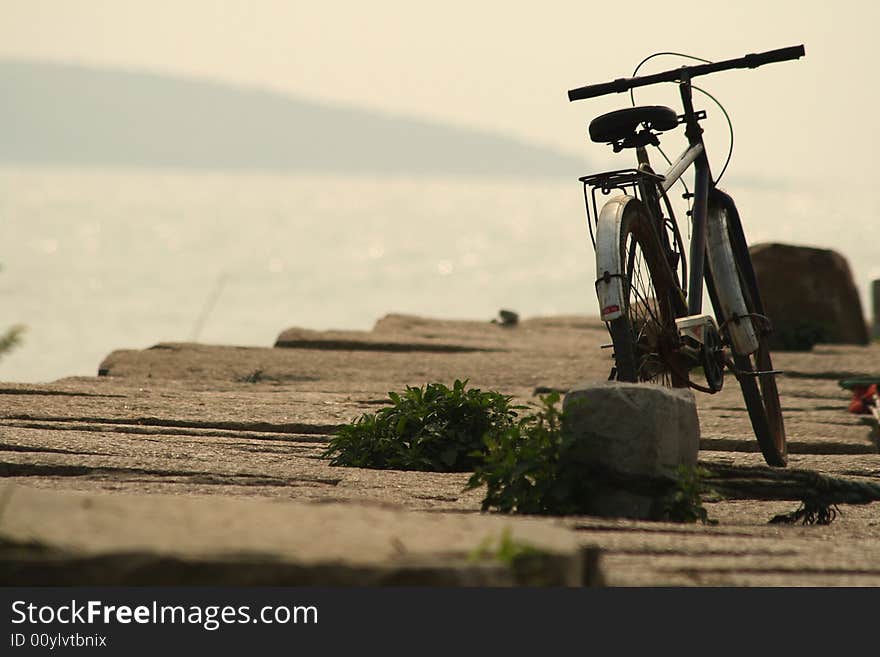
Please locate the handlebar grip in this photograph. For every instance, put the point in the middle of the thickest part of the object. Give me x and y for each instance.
(780, 55)
(592, 90)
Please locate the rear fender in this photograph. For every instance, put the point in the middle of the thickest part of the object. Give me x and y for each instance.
(609, 268)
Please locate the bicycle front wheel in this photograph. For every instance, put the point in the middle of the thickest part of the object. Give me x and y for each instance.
(644, 336)
(758, 385)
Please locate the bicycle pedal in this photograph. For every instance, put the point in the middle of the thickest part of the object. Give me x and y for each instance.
(763, 372)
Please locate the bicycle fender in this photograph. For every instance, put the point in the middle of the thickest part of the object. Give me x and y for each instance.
(719, 255)
(609, 268)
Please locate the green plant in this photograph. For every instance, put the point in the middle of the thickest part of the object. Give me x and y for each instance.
(529, 565)
(533, 466)
(432, 428)
(254, 377)
(684, 502)
(506, 549)
(11, 338)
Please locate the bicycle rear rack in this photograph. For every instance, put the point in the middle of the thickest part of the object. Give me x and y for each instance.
(626, 181)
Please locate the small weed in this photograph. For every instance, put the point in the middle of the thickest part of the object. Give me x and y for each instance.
(11, 338)
(431, 428)
(507, 550)
(254, 377)
(684, 503)
(534, 466)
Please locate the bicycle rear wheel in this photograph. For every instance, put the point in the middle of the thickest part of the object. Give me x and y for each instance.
(759, 391)
(645, 337)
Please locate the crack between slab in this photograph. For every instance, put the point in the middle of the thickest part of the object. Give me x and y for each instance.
(57, 393)
(72, 425)
(696, 554)
(260, 427)
(40, 470)
(398, 347)
(829, 448)
(798, 570)
(7, 447)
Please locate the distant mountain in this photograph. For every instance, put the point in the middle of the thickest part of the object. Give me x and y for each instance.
(64, 114)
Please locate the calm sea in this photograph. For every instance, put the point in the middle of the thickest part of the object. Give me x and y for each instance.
(97, 260)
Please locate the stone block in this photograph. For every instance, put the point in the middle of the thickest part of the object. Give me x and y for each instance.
(73, 538)
(635, 429)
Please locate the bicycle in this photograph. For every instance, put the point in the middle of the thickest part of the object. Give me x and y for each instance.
(650, 301)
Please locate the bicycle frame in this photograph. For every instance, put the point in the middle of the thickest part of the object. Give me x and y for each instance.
(694, 154)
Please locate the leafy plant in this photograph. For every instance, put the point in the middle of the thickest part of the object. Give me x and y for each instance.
(506, 549)
(533, 466)
(529, 565)
(684, 503)
(11, 338)
(431, 428)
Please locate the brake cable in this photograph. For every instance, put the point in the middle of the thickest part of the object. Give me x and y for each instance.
(702, 91)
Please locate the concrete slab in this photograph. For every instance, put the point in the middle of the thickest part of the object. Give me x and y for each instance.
(98, 539)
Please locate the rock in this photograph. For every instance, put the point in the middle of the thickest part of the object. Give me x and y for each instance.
(809, 295)
(636, 429)
(507, 318)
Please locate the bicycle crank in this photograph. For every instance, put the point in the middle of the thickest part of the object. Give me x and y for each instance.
(701, 343)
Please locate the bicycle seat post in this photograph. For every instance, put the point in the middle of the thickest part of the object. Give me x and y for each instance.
(692, 130)
(642, 157)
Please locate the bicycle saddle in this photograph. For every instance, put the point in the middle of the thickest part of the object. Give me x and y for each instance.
(618, 125)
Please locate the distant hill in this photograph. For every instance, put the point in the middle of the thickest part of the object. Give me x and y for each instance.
(64, 114)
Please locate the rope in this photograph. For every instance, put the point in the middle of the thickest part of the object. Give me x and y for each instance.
(819, 494)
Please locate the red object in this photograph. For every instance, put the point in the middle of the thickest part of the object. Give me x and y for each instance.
(864, 397)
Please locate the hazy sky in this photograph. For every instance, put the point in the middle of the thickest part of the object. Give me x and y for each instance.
(502, 65)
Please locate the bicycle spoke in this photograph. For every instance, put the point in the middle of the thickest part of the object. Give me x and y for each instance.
(645, 310)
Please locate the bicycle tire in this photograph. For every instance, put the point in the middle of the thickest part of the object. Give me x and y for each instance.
(759, 391)
(645, 337)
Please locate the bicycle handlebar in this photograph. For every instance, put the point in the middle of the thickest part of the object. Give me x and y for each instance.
(686, 72)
